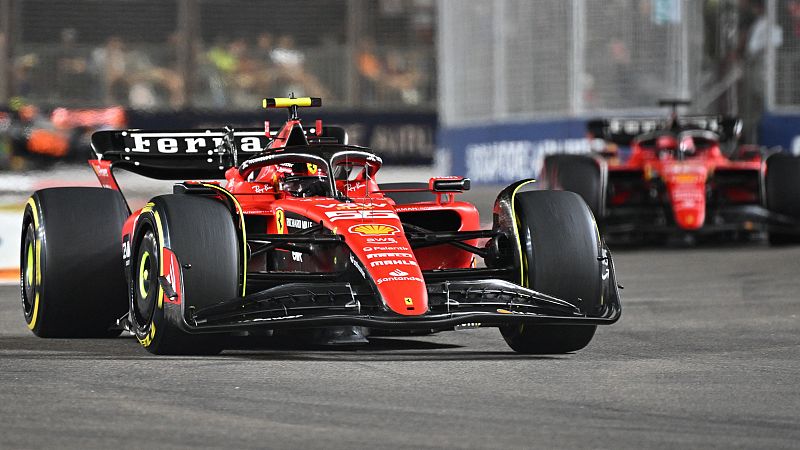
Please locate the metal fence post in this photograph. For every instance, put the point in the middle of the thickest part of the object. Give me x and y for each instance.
(188, 23)
(577, 70)
(770, 72)
(6, 40)
(499, 59)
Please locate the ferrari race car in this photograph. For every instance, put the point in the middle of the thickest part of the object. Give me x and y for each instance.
(685, 177)
(294, 235)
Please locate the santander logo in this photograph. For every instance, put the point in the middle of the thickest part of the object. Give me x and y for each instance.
(398, 273)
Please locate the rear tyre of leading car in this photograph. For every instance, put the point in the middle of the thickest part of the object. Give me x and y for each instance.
(201, 234)
(561, 251)
(71, 271)
(783, 193)
(581, 174)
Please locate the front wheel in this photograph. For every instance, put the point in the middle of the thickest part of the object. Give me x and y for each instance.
(191, 242)
(561, 256)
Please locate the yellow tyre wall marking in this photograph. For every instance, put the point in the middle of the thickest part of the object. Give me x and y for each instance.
(160, 257)
(240, 211)
(522, 261)
(37, 263)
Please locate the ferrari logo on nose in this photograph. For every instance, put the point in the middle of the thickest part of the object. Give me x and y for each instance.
(409, 301)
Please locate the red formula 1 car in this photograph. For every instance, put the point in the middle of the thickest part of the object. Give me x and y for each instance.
(299, 236)
(679, 181)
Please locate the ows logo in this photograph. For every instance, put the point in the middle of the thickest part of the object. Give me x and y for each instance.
(374, 229)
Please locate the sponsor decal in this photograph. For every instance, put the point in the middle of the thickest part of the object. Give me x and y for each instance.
(262, 189)
(360, 214)
(297, 256)
(375, 229)
(381, 240)
(312, 168)
(291, 222)
(398, 273)
(409, 301)
(355, 187)
(191, 142)
(415, 208)
(269, 319)
(280, 221)
(387, 248)
(393, 262)
(354, 205)
(386, 279)
(389, 255)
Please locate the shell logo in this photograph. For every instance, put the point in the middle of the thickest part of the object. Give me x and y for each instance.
(374, 229)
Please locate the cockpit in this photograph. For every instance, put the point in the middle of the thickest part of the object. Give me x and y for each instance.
(330, 170)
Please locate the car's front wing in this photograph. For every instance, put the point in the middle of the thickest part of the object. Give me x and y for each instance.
(490, 302)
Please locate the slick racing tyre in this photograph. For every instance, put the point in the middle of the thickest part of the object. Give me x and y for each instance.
(783, 193)
(71, 268)
(581, 174)
(402, 198)
(561, 249)
(200, 233)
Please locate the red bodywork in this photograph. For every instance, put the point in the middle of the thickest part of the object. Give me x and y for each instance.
(370, 223)
(685, 169)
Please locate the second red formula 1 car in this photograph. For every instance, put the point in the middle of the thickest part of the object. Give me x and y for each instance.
(679, 181)
(293, 233)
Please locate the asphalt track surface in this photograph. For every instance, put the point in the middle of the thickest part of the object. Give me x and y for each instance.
(706, 355)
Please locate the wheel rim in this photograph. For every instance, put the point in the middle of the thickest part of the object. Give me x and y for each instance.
(144, 275)
(28, 272)
(145, 280)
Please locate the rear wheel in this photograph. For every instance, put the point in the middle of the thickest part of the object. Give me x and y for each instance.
(71, 267)
(580, 174)
(561, 249)
(783, 193)
(201, 235)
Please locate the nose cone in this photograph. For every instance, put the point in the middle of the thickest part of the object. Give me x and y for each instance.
(374, 233)
(686, 185)
(391, 263)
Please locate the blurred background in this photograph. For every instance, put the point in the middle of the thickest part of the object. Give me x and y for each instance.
(481, 89)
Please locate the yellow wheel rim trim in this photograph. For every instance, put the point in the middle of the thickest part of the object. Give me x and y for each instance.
(29, 265)
(143, 273)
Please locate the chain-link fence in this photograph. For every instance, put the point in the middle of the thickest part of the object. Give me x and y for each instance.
(159, 54)
(519, 59)
(513, 59)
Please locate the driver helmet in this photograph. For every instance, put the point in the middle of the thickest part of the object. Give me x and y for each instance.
(305, 180)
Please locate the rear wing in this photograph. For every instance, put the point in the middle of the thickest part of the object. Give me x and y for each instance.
(191, 154)
(622, 130)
